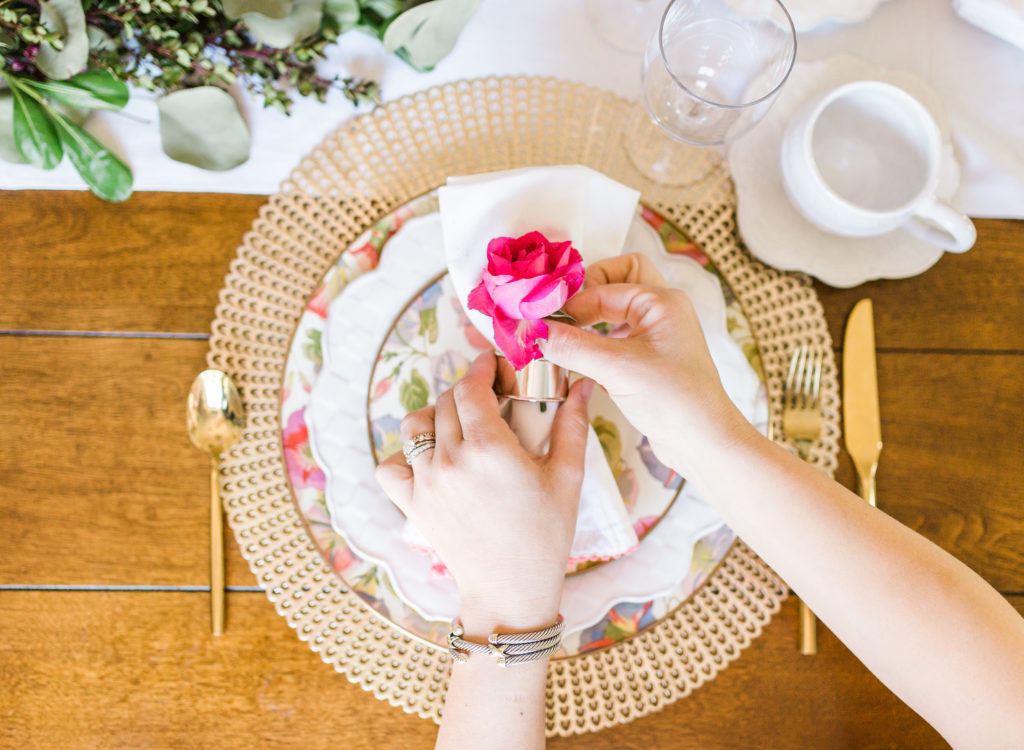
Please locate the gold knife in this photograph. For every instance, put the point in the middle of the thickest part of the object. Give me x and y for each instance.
(862, 427)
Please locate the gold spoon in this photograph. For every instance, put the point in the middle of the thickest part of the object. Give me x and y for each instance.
(215, 417)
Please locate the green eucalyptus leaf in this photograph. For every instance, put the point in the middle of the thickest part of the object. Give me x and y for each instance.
(203, 127)
(303, 21)
(268, 8)
(344, 12)
(7, 42)
(99, 40)
(105, 174)
(383, 8)
(8, 147)
(428, 32)
(94, 89)
(34, 132)
(67, 18)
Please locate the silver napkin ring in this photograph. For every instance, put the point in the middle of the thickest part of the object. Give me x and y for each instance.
(508, 648)
(539, 381)
(418, 444)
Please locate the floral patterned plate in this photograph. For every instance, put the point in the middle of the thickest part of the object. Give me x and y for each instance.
(372, 579)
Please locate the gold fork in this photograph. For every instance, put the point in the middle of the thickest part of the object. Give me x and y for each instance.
(801, 423)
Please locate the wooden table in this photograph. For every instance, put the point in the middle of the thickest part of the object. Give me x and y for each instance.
(104, 634)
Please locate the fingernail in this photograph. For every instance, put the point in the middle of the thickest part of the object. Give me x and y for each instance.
(587, 389)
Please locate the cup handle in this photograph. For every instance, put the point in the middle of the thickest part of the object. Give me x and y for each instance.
(937, 223)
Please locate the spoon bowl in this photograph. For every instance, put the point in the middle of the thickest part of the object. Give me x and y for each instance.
(214, 412)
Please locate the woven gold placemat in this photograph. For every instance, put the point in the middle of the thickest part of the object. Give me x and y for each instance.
(366, 168)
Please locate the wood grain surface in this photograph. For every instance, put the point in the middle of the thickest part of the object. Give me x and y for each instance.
(103, 328)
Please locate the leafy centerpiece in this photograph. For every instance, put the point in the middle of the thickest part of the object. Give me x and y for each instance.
(64, 58)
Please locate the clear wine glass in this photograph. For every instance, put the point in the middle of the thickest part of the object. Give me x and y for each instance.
(710, 73)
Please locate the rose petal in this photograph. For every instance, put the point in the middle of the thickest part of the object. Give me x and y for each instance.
(480, 299)
(562, 253)
(507, 297)
(517, 339)
(545, 299)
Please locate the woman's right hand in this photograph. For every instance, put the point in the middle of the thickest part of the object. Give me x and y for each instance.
(661, 375)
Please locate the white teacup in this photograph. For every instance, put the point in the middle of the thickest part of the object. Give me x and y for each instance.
(863, 160)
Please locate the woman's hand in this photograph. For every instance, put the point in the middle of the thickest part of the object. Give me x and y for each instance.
(660, 375)
(502, 520)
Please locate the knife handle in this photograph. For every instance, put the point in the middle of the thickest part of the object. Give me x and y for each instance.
(866, 483)
(808, 630)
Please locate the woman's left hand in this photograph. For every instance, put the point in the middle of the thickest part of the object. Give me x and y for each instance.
(502, 520)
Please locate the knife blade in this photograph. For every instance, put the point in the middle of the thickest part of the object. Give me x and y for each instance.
(862, 426)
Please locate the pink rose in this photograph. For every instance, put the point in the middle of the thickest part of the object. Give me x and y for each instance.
(526, 280)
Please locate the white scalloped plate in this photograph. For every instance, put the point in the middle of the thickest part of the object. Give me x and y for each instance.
(360, 319)
(775, 232)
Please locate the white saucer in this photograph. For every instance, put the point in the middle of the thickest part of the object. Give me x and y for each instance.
(807, 14)
(779, 235)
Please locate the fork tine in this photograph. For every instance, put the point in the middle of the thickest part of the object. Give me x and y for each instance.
(808, 375)
(819, 363)
(789, 393)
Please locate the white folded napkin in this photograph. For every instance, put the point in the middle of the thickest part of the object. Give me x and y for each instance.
(564, 203)
(1004, 18)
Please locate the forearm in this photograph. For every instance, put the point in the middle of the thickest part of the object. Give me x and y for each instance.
(491, 706)
(932, 630)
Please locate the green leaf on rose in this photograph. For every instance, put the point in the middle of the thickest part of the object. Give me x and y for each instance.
(268, 8)
(105, 174)
(8, 146)
(35, 134)
(66, 18)
(94, 89)
(301, 22)
(203, 127)
(414, 393)
(428, 324)
(428, 32)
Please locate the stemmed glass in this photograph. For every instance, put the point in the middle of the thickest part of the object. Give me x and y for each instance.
(711, 72)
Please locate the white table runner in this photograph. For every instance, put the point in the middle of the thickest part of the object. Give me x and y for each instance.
(980, 78)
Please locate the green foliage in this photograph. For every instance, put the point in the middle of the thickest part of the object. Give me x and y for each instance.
(34, 132)
(105, 174)
(203, 127)
(64, 56)
(95, 89)
(302, 22)
(426, 33)
(85, 54)
(42, 133)
(8, 148)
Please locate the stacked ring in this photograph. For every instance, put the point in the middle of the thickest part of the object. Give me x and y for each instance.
(418, 444)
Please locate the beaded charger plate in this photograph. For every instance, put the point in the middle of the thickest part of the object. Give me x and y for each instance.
(363, 172)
